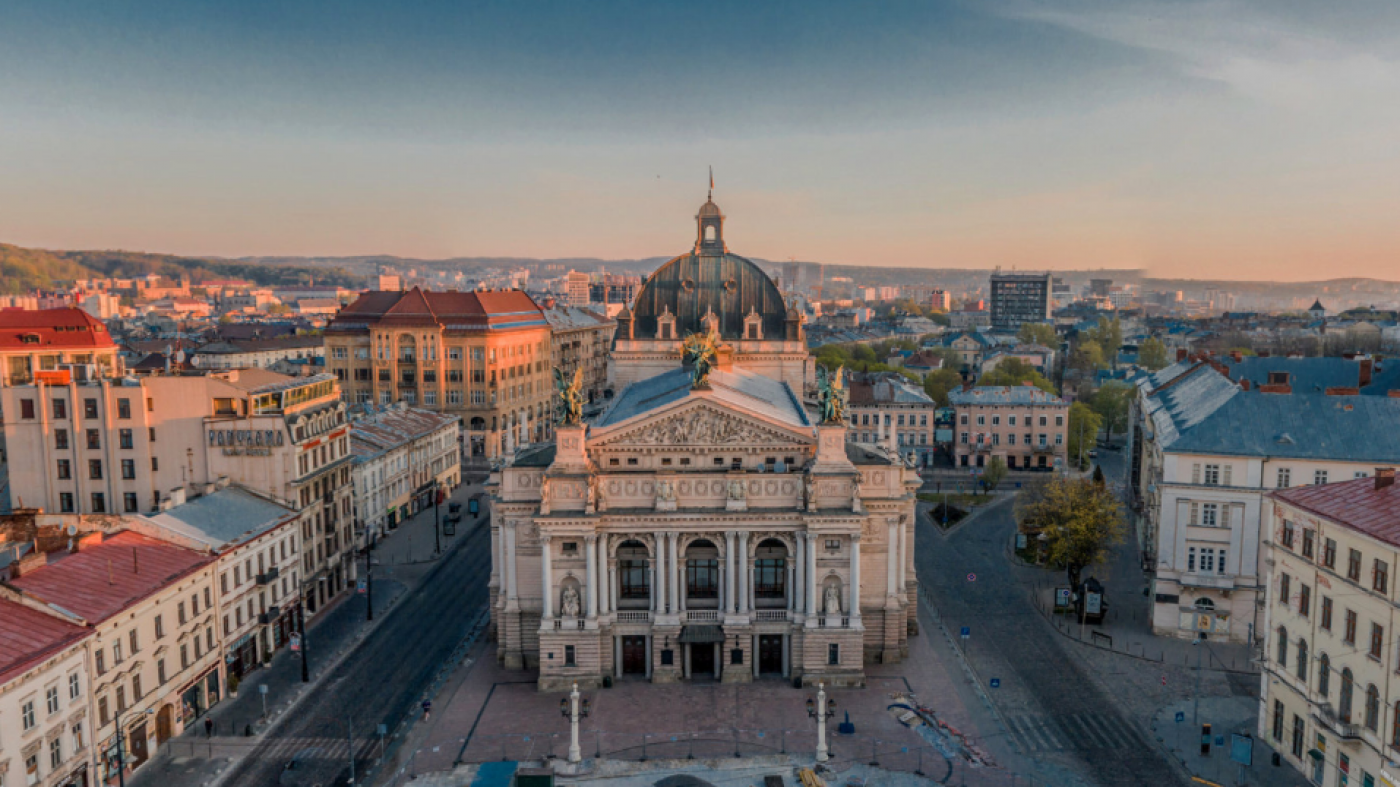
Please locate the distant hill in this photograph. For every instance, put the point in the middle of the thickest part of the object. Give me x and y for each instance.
(23, 270)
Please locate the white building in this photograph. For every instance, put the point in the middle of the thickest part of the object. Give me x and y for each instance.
(45, 731)
(1207, 451)
(402, 456)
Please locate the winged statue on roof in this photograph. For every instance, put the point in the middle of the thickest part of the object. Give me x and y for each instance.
(570, 397)
(700, 350)
(831, 394)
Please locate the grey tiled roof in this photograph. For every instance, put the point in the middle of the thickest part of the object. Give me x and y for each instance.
(1315, 374)
(226, 517)
(744, 390)
(1004, 394)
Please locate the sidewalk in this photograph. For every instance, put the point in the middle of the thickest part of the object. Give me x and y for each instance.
(1226, 715)
(401, 559)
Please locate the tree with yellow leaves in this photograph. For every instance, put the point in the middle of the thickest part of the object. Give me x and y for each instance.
(1081, 522)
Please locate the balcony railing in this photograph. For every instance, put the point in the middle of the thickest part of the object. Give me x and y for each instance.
(702, 616)
(268, 577)
(270, 616)
(633, 616)
(762, 615)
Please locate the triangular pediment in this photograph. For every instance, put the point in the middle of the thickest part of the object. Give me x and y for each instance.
(701, 422)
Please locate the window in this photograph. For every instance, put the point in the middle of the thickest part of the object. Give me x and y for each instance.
(65, 502)
(1059, 420)
(65, 470)
(1326, 617)
(136, 686)
(180, 612)
(1349, 634)
(123, 408)
(26, 408)
(51, 700)
(101, 657)
(1302, 661)
(1281, 655)
(1319, 476)
(1377, 637)
(116, 653)
(1286, 538)
(1373, 707)
(1212, 477)
(121, 699)
(124, 439)
(1209, 514)
(569, 659)
(1379, 576)
(160, 627)
(1285, 478)
(26, 715)
(1278, 721)
(1285, 596)
(770, 578)
(31, 768)
(1308, 539)
(128, 469)
(1190, 558)
(1353, 565)
(155, 464)
(129, 504)
(184, 656)
(60, 409)
(702, 578)
(632, 579)
(78, 736)
(75, 686)
(160, 671)
(60, 439)
(1324, 675)
(1297, 748)
(94, 439)
(1207, 560)
(134, 641)
(1220, 561)
(1329, 553)
(95, 468)
(99, 503)
(833, 654)
(1304, 599)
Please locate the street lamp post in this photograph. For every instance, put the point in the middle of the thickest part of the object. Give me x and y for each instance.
(301, 635)
(573, 710)
(437, 523)
(369, 582)
(121, 757)
(822, 710)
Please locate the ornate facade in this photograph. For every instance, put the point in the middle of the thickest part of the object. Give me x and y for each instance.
(703, 528)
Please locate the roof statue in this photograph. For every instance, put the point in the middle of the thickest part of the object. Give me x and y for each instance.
(831, 395)
(699, 352)
(570, 397)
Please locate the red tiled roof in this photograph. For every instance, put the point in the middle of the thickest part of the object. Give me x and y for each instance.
(477, 309)
(28, 636)
(1356, 504)
(55, 328)
(103, 579)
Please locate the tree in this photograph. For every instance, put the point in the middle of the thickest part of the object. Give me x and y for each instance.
(1108, 334)
(863, 352)
(994, 473)
(1099, 480)
(1087, 357)
(938, 383)
(1014, 371)
(941, 318)
(1152, 354)
(1080, 519)
(1038, 333)
(1111, 403)
(1084, 425)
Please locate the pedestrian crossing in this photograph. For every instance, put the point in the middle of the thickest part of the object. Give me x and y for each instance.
(1075, 732)
(312, 749)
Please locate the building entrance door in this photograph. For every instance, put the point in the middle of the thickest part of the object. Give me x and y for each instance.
(164, 724)
(770, 654)
(634, 655)
(702, 659)
(136, 742)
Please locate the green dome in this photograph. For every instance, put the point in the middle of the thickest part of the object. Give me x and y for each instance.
(691, 285)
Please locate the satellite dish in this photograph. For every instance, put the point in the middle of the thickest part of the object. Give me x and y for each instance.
(72, 530)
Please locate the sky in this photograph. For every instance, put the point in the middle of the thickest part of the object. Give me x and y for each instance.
(1242, 140)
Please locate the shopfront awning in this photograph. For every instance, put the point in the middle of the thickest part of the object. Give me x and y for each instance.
(701, 634)
(1316, 755)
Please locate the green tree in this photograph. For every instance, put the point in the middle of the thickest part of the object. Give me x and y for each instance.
(863, 352)
(938, 383)
(994, 473)
(1081, 521)
(1152, 354)
(1087, 357)
(1111, 402)
(1084, 425)
(1038, 333)
(1108, 334)
(1014, 371)
(941, 318)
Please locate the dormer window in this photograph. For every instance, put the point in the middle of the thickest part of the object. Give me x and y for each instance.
(666, 325)
(753, 326)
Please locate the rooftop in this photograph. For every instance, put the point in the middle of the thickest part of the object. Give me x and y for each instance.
(1357, 504)
(101, 580)
(743, 390)
(1004, 395)
(568, 318)
(475, 310)
(29, 636)
(223, 519)
(51, 328)
(381, 430)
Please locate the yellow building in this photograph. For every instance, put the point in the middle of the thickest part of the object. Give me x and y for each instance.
(482, 356)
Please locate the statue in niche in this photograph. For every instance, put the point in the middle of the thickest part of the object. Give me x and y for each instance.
(831, 600)
(568, 605)
(737, 490)
(666, 491)
(809, 497)
(596, 502)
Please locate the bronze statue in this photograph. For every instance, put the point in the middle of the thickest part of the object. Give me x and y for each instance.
(570, 397)
(700, 351)
(831, 395)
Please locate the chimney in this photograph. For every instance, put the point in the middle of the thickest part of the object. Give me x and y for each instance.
(1385, 476)
(1264, 353)
(1338, 390)
(1236, 356)
(1244, 384)
(1180, 354)
(1365, 377)
(90, 540)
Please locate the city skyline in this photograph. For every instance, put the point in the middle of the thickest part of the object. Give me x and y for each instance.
(1205, 140)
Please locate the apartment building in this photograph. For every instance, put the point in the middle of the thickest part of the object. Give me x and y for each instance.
(257, 353)
(580, 339)
(153, 651)
(1205, 453)
(1019, 298)
(1330, 704)
(256, 542)
(402, 458)
(886, 408)
(34, 343)
(1023, 425)
(130, 445)
(482, 356)
(45, 731)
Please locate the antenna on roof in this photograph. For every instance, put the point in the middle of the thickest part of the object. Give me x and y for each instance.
(711, 194)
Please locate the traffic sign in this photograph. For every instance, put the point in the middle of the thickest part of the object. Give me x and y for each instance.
(996, 683)
(360, 587)
(295, 642)
(966, 632)
(1164, 680)
(1242, 749)
(971, 577)
(1180, 716)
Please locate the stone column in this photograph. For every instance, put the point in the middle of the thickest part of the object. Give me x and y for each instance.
(612, 585)
(652, 566)
(617, 657)
(791, 584)
(723, 580)
(892, 558)
(546, 582)
(787, 651)
(590, 555)
(603, 595)
(512, 599)
(799, 585)
(671, 579)
(811, 588)
(729, 600)
(742, 572)
(754, 643)
(855, 577)
(903, 556)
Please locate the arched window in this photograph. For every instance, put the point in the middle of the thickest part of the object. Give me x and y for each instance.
(1324, 675)
(1302, 660)
(1282, 647)
(1373, 707)
(1344, 702)
(710, 232)
(1204, 603)
(1395, 728)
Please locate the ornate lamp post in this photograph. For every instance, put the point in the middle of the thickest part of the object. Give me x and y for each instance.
(573, 710)
(821, 710)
